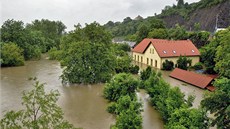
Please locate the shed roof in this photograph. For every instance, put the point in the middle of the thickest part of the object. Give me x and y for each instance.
(168, 48)
(195, 79)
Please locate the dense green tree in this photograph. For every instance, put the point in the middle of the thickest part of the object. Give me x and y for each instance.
(178, 33)
(213, 55)
(218, 103)
(35, 38)
(183, 62)
(11, 55)
(200, 38)
(126, 20)
(134, 69)
(12, 31)
(123, 64)
(50, 30)
(120, 85)
(158, 34)
(222, 57)
(121, 91)
(155, 23)
(124, 103)
(123, 46)
(40, 111)
(88, 63)
(168, 65)
(142, 32)
(123, 59)
(180, 3)
(208, 53)
(128, 120)
(145, 74)
(198, 66)
(54, 54)
(186, 118)
(87, 54)
(165, 99)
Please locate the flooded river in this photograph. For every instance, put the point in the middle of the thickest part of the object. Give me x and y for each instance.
(83, 105)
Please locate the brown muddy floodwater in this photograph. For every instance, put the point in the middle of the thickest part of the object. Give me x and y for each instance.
(83, 105)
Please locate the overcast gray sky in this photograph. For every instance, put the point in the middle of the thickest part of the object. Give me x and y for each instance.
(71, 12)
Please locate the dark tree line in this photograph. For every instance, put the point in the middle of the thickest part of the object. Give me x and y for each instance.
(33, 39)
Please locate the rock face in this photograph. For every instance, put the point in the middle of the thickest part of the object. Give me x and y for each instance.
(205, 16)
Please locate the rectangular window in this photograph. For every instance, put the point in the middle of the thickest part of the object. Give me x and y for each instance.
(156, 63)
(153, 51)
(135, 57)
(151, 62)
(138, 58)
(141, 59)
(150, 50)
(147, 61)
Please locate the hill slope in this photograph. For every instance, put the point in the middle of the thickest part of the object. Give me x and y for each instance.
(206, 16)
(203, 12)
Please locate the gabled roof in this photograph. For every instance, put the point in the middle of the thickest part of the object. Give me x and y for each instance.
(168, 48)
(195, 79)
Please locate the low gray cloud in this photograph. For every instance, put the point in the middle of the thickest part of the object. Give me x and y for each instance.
(71, 12)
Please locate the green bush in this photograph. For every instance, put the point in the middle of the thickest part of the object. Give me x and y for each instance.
(183, 62)
(54, 54)
(11, 55)
(134, 69)
(198, 66)
(120, 85)
(145, 74)
(168, 65)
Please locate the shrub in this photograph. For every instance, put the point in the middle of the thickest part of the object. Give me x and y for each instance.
(145, 74)
(198, 66)
(168, 65)
(11, 55)
(183, 62)
(120, 85)
(54, 54)
(134, 69)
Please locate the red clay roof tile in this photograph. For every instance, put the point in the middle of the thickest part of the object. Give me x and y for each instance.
(198, 80)
(211, 88)
(168, 48)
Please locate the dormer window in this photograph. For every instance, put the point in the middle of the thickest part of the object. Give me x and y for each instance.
(164, 52)
(174, 52)
(193, 51)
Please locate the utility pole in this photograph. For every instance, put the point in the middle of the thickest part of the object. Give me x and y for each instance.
(217, 21)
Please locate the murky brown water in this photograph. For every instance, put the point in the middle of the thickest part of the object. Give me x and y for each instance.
(83, 106)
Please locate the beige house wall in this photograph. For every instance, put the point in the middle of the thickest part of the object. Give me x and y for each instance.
(151, 58)
(194, 59)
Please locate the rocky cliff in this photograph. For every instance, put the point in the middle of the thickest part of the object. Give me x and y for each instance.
(206, 17)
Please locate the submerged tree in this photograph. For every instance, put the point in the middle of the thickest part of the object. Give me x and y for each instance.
(11, 55)
(87, 55)
(218, 103)
(41, 111)
(183, 62)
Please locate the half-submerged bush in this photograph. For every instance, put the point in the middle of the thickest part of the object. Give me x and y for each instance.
(168, 65)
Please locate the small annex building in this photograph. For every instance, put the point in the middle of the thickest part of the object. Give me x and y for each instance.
(154, 52)
(199, 80)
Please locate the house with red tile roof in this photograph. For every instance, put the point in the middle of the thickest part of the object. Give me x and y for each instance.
(199, 80)
(154, 52)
